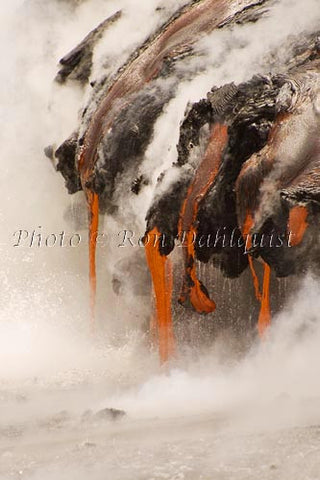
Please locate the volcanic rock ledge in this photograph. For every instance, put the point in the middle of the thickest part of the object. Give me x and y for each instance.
(247, 166)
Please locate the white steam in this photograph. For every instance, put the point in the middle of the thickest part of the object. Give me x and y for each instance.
(49, 362)
(230, 55)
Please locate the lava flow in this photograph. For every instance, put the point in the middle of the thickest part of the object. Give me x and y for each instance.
(297, 224)
(93, 204)
(264, 319)
(204, 177)
(178, 37)
(161, 273)
(258, 178)
(93, 220)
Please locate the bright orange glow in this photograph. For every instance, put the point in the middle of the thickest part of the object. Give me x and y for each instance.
(195, 292)
(297, 224)
(265, 315)
(162, 278)
(264, 319)
(93, 207)
(246, 229)
(203, 180)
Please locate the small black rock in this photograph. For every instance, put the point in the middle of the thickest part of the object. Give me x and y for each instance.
(110, 414)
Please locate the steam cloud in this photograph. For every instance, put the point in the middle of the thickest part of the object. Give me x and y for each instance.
(43, 333)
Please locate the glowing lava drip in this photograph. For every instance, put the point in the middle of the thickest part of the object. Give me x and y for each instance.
(161, 272)
(93, 203)
(264, 319)
(160, 268)
(297, 224)
(267, 162)
(93, 220)
(207, 171)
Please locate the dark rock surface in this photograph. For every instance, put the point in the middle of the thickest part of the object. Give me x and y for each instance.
(105, 414)
(77, 64)
(141, 103)
(268, 167)
(251, 111)
(110, 414)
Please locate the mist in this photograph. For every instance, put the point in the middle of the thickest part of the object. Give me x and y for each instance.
(210, 413)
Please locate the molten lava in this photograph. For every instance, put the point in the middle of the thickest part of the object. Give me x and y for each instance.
(264, 319)
(201, 17)
(192, 288)
(297, 224)
(260, 162)
(204, 177)
(93, 206)
(161, 273)
(265, 315)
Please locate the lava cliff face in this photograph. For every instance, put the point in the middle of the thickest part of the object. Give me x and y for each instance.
(247, 166)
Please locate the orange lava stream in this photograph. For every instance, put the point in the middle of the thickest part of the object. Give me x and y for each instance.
(264, 319)
(297, 224)
(162, 278)
(265, 315)
(203, 180)
(93, 206)
(195, 292)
